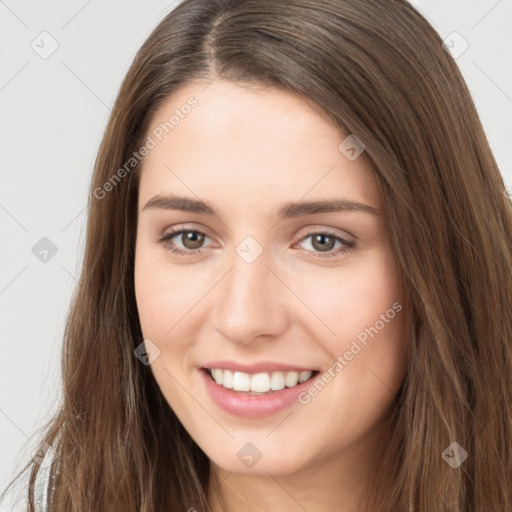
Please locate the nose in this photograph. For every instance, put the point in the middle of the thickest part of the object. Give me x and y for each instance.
(250, 302)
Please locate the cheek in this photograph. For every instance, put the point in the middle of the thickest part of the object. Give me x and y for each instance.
(351, 298)
(165, 294)
(364, 306)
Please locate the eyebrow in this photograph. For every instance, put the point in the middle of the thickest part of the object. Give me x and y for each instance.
(287, 210)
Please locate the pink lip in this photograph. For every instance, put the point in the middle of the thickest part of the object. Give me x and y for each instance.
(251, 406)
(262, 366)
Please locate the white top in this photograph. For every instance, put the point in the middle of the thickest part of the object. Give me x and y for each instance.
(42, 490)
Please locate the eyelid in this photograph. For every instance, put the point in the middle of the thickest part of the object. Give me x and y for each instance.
(321, 228)
(174, 230)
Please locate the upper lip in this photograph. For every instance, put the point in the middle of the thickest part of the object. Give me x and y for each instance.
(257, 367)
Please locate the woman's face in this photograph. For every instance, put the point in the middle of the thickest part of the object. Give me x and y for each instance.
(279, 272)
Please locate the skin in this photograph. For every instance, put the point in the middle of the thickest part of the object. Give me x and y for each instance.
(247, 150)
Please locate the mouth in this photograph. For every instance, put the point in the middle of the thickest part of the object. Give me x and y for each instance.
(261, 383)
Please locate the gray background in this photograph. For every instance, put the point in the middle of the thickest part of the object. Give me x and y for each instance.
(53, 113)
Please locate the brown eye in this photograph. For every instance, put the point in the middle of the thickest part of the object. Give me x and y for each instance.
(325, 245)
(184, 241)
(192, 239)
(323, 242)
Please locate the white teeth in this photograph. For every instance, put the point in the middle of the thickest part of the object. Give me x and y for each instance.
(277, 381)
(217, 374)
(262, 382)
(304, 376)
(227, 378)
(291, 379)
(241, 381)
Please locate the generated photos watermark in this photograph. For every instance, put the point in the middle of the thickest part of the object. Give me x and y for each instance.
(343, 360)
(151, 142)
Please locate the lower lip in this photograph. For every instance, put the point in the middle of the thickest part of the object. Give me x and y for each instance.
(252, 406)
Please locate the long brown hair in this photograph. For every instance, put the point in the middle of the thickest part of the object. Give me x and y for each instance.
(379, 70)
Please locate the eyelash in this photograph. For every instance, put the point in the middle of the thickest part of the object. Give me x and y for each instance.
(349, 245)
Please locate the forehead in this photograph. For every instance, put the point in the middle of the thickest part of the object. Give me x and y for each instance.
(249, 146)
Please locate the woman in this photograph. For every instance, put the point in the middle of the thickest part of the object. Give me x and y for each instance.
(296, 288)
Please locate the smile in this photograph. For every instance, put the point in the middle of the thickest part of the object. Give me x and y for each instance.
(258, 383)
(257, 389)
